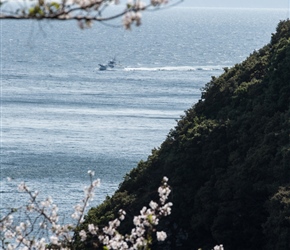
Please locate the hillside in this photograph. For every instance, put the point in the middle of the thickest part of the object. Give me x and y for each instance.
(227, 160)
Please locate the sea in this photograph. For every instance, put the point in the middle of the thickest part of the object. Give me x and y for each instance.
(61, 116)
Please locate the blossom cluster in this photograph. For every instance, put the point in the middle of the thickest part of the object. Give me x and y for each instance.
(218, 247)
(38, 229)
(133, 14)
(144, 225)
(41, 230)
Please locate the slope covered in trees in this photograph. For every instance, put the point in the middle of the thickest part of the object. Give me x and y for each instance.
(227, 160)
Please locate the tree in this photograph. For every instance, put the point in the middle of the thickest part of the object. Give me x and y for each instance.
(84, 11)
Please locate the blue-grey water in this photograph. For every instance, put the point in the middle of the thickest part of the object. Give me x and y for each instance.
(60, 116)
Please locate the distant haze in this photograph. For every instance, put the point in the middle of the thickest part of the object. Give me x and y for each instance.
(237, 3)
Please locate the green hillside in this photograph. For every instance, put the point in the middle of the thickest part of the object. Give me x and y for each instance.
(227, 160)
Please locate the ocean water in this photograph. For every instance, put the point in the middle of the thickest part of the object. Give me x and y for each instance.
(61, 117)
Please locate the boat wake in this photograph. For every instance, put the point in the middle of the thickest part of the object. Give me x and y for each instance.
(178, 68)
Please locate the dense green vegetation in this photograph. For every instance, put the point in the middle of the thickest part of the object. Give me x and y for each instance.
(227, 160)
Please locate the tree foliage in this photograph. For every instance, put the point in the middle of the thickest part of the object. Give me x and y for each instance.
(228, 159)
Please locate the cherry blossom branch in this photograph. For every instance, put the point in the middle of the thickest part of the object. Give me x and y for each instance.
(39, 229)
(145, 225)
(84, 11)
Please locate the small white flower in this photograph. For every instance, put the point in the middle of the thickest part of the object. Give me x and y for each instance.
(22, 187)
(54, 240)
(91, 173)
(10, 247)
(96, 183)
(36, 193)
(92, 229)
(41, 244)
(122, 214)
(153, 205)
(136, 220)
(161, 236)
(19, 238)
(47, 202)
(218, 247)
(9, 235)
(165, 179)
(75, 216)
(83, 235)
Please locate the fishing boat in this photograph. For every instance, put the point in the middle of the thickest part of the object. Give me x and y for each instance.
(111, 64)
(103, 67)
